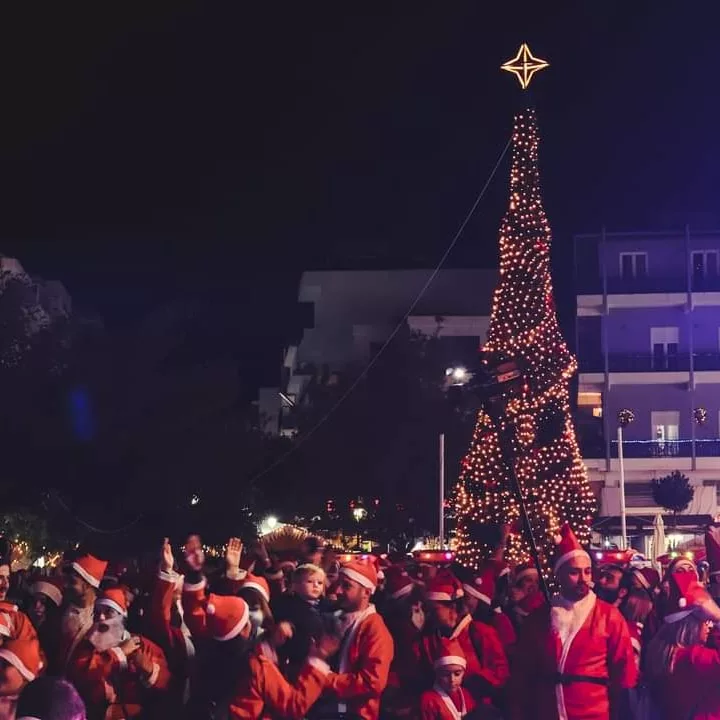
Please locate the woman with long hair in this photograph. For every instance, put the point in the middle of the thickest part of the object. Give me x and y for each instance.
(682, 672)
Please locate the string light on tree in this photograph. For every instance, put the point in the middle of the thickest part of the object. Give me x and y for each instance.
(700, 415)
(524, 329)
(625, 417)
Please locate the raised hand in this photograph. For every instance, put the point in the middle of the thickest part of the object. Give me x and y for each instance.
(167, 560)
(232, 555)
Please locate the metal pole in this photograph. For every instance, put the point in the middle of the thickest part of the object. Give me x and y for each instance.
(442, 490)
(623, 516)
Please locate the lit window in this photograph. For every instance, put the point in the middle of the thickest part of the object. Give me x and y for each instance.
(597, 412)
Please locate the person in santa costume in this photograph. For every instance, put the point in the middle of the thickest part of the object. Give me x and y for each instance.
(404, 614)
(361, 668)
(575, 655)
(83, 578)
(20, 663)
(487, 669)
(479, 594)
(684, 674)
(166, 626)
(238, 681)
(118, 675)
(448, 699)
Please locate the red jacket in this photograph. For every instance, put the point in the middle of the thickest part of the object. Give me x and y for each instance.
(365, 658)
(265, 694)
(597, 646)
(487, 665)
(692, 690)
(437, 706)
(111, 686)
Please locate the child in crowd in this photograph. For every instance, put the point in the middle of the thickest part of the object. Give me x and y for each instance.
(448, 699)
(303, 608)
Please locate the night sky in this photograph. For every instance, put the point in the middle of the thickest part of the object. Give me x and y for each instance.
(219, 148)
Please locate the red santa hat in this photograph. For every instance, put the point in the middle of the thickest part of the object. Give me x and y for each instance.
(51, 587)
(648, 577)
(444, 588)
(568, 547)
(257, 583)
(687, 596)
(482, 586)
(712, 549)
(526, 570)
(24, 655)
(227, 615)
(398, 585)
(90, 569)
(361, 572)
(449, 652)
(114, 598)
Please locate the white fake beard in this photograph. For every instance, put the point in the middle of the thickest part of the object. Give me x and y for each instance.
(110, 638)
(75, 619)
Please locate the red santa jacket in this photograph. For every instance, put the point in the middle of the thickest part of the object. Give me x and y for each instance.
(505, 630)
(438, 705)
(556, 680)
(18, 622)
(111, 686)
(265, 694)
(487, 665)
(364, 664)
(692, 690)
(175, 641)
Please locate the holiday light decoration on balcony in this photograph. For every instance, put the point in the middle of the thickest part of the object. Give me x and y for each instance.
(700, 415)
(524, 329)
(625, 417)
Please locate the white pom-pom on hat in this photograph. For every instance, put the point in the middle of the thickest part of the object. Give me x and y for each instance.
(210, 609)
(682, 602)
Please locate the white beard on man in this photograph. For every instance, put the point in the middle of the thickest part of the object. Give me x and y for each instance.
(107, 633)
(75, 619)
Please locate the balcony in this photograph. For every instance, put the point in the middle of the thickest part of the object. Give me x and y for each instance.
(645, 449)
(647, 362)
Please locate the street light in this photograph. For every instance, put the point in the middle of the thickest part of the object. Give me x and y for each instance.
(268, 524)
(457, 375)
(359, 513)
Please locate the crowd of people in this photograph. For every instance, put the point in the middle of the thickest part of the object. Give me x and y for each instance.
(362, 637)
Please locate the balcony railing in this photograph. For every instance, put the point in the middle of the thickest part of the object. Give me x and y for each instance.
(667, 448)
(647, 362)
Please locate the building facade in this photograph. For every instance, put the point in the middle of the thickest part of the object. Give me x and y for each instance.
(648, 341)
(353, 312)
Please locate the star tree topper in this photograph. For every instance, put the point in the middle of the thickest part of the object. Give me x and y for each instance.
(524, 65)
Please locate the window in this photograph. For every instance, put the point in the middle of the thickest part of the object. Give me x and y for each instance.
(704, 264)
(664, 343)
(633, 265)
(592, 400)
(665, 429)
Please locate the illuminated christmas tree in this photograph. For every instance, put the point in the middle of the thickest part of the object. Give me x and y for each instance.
(524, 330)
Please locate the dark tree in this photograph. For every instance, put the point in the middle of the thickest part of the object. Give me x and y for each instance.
(381, 441)
(673, 492)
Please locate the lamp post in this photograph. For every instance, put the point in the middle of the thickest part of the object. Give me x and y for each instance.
(625, 417)
(358, 514)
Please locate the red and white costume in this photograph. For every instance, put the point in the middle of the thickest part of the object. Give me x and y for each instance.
(262, 692)
(570, 655)
(691, 691)
(437, 704)
(111, 685)
(76, 621)
(25, 655)
(366, 653)
(487, 665)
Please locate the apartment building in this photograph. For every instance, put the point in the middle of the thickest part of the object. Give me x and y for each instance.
(648, 340)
